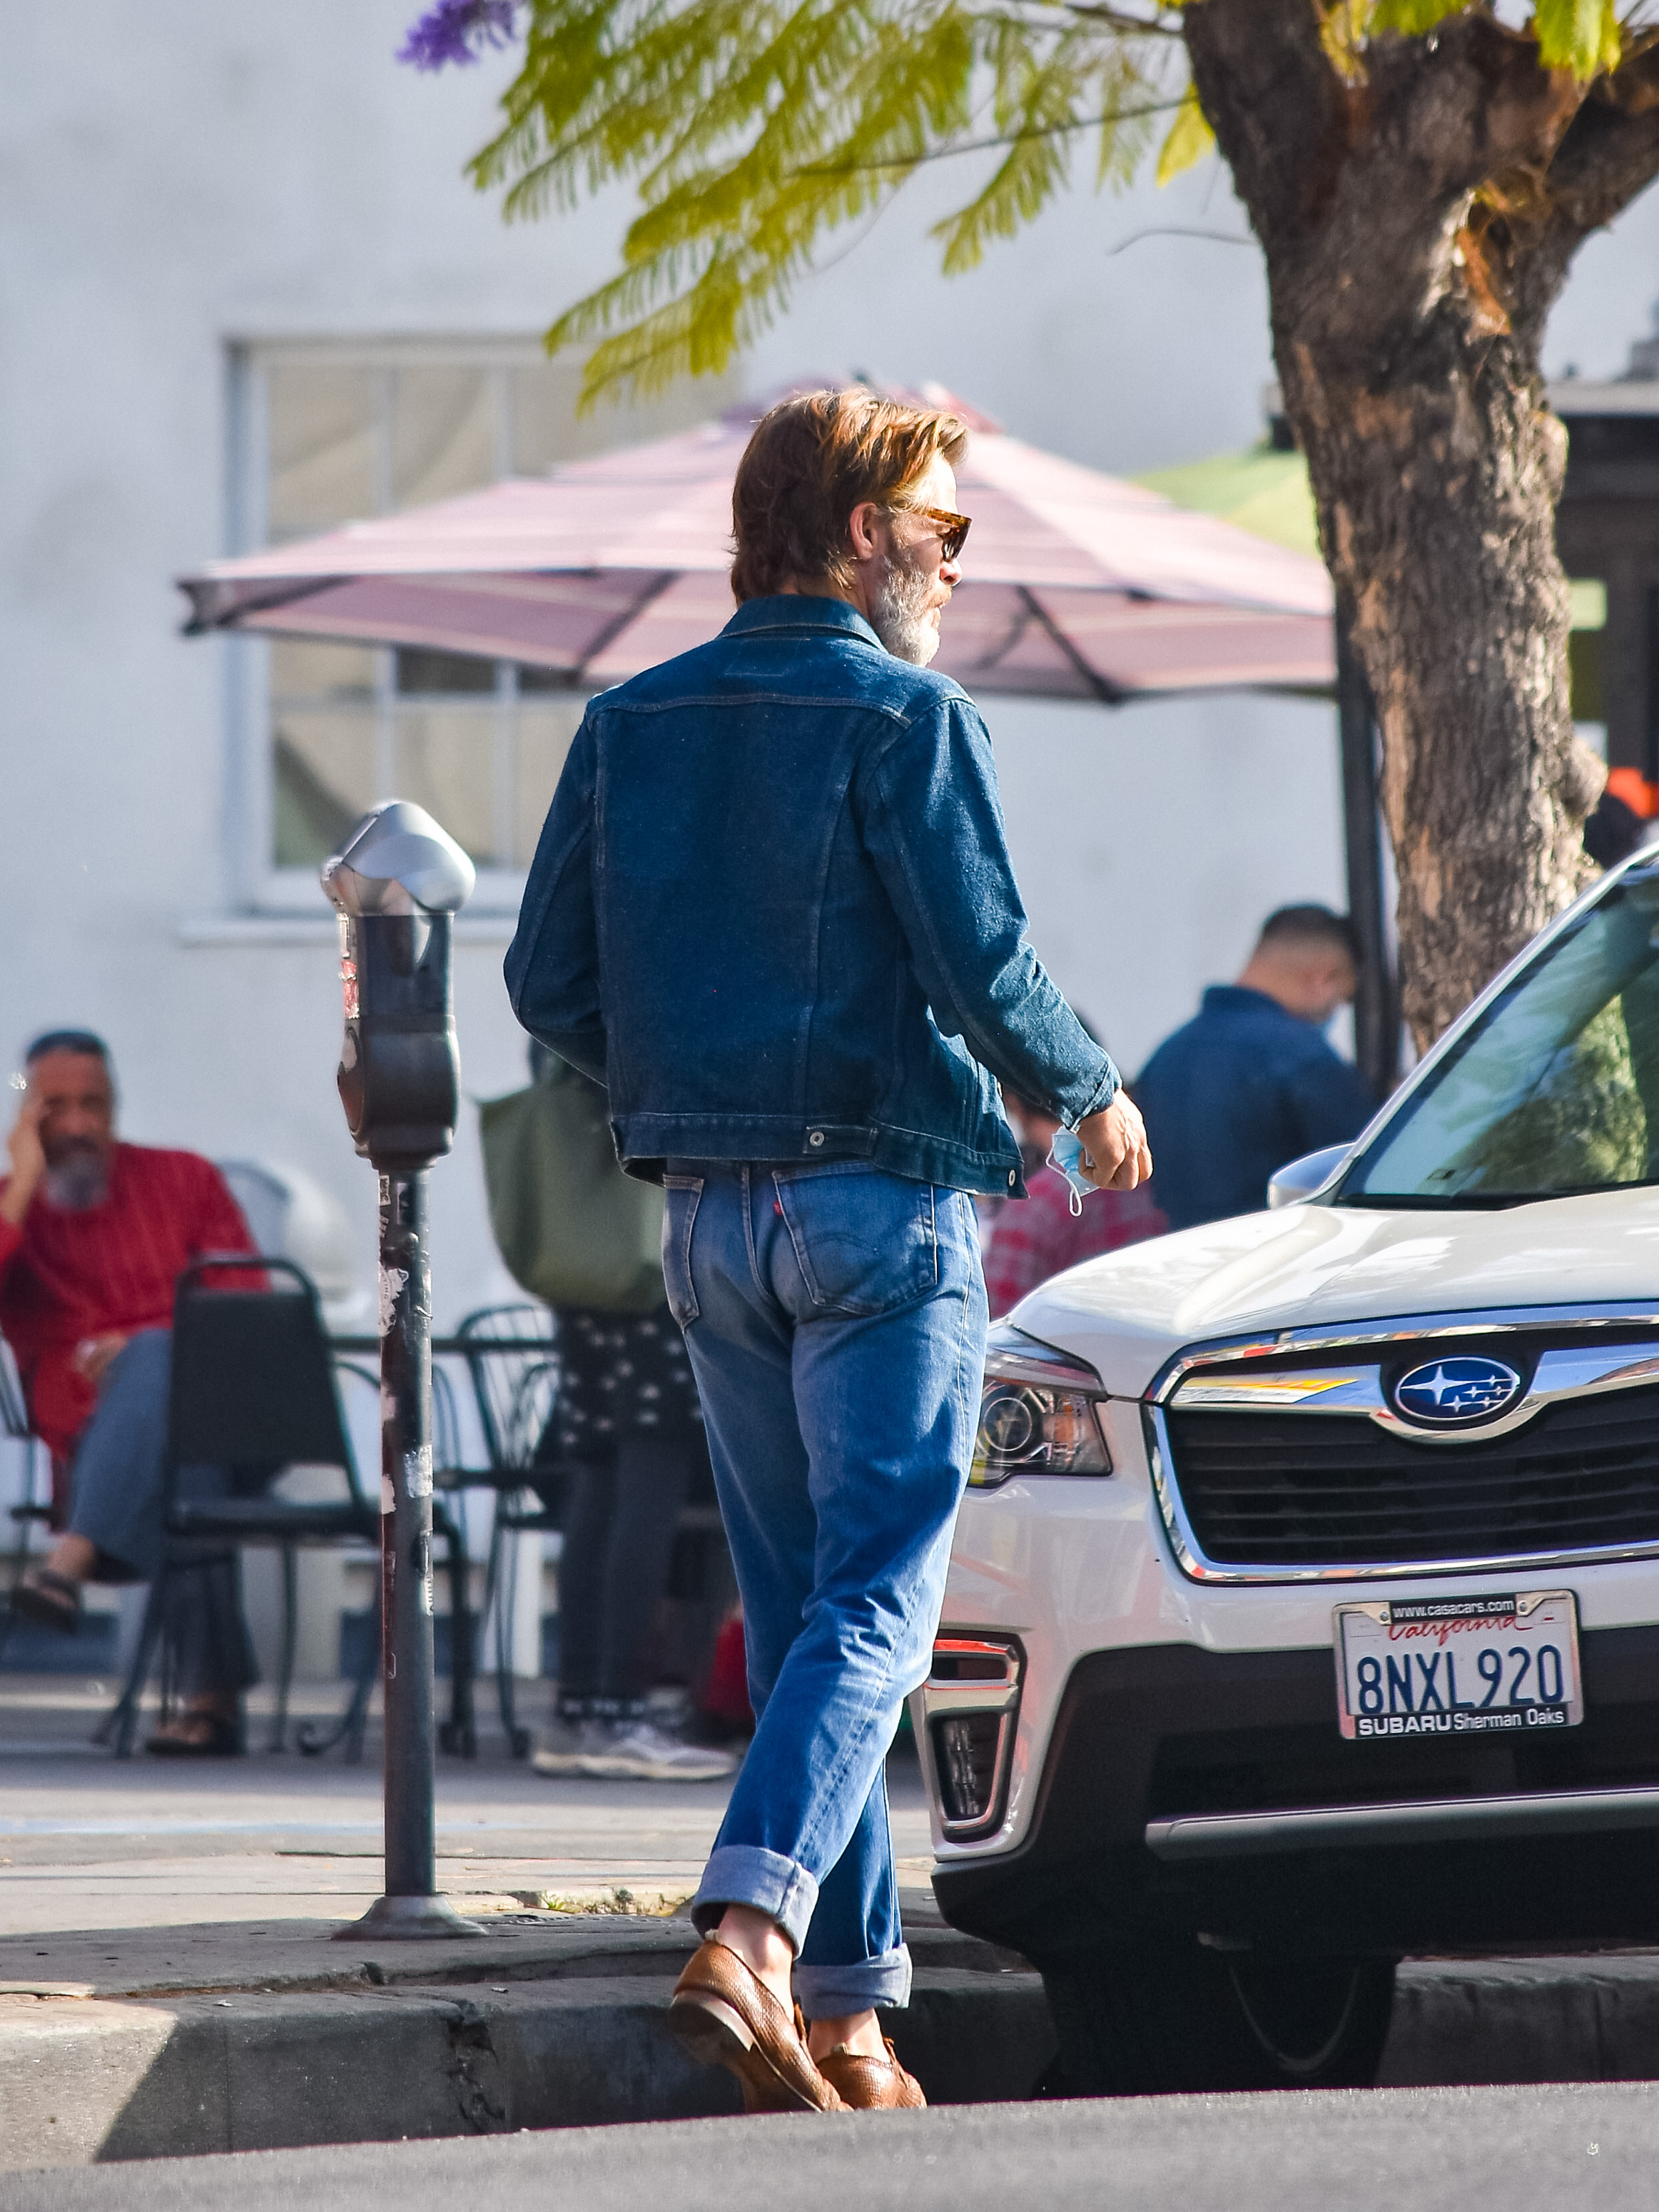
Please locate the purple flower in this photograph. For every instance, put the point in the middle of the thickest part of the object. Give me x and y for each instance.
(458, 31)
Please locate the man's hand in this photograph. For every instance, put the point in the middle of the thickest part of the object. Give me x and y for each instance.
(94, 1354)
(28, 1162)
(1116, 1155)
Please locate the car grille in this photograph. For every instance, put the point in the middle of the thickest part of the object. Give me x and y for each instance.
(1265, 1491)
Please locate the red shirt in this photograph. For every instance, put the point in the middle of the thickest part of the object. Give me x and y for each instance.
(65, 1276)
(1026, 1242)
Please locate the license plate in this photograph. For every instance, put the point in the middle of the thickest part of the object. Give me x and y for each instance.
(1493, 1665)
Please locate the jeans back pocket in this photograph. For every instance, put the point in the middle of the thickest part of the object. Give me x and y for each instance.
(680, 1197)
(867, 1241)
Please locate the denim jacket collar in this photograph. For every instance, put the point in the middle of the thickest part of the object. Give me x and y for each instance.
(800, 611)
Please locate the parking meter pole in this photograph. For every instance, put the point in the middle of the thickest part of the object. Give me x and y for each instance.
(406, 1535)
(395, 882)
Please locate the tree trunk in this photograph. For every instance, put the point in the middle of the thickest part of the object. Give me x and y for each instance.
(1406, 322)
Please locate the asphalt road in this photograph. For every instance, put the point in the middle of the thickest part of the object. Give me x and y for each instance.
(1527, 2150)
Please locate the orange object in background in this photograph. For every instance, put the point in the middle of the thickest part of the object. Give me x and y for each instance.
(1632, 789)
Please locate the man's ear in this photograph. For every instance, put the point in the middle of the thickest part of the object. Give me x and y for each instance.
(862, 529)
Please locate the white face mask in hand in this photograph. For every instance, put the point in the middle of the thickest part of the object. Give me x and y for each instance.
(1066, 1155)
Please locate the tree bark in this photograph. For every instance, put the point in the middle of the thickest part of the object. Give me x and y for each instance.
(1417, 225)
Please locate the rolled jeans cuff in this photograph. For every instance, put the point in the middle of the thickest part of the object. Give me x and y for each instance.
(747, 1874)
(832, 1993)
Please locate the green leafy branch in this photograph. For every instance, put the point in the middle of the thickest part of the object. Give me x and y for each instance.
(751, 129)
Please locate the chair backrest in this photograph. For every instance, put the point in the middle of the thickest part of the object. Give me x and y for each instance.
(13, 1413)
(512, 1356)
(253, 1380)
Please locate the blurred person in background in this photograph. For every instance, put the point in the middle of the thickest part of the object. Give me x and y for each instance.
(1022, 1246)
(624, 1446)
(94, 1235)
(1250, 1083)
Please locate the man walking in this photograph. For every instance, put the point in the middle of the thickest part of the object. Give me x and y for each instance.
(1251, 1084)
(773, 911)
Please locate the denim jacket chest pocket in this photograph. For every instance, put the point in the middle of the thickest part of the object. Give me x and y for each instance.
(866, 1242)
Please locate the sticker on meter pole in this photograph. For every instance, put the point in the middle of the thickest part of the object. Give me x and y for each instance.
(417, 1472)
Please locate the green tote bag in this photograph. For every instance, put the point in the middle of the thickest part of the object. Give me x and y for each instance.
(573, 1229)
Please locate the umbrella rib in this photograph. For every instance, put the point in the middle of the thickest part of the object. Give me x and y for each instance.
(1109, 694)
(206, 615)
(654, 590)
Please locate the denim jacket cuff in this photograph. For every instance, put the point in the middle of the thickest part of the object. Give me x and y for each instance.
(1105, 1090)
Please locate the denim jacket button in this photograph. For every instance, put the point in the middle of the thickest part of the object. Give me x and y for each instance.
(815, 1138)
(1012, 1172)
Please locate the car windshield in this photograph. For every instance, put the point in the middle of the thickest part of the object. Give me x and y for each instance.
(1555, 1088)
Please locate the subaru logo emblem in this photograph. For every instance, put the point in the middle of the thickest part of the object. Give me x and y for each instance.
(1446, 1392)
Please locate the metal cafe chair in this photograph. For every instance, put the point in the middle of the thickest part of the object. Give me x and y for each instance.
(34, 1507)
(254, 1391)
(512, 1357)
(15, 1423)
(511, 1353)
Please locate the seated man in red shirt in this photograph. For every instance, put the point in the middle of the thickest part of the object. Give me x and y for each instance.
(1024, 1244)
(94, 1235)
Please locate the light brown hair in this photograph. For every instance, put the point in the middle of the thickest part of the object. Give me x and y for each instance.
(812, 460)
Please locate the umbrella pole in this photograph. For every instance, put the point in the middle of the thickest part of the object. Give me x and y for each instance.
(1376, 1006)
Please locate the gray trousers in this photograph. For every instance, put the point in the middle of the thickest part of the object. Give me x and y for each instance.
(619, 1528)
(116, 1502)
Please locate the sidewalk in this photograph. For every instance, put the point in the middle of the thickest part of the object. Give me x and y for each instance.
(170, 1979)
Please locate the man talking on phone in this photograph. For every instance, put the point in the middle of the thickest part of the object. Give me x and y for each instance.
(773, 911)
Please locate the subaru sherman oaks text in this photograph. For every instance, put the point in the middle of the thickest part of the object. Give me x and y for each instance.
(1303, 1611)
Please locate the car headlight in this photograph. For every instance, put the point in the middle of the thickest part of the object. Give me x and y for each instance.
(1038, 1412)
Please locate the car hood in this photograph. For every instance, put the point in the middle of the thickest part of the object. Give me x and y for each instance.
(1308, 1266)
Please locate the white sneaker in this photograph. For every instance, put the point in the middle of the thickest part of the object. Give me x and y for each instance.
(568, 1743)
(638, 1752)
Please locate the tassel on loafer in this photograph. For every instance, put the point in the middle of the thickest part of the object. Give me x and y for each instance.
(870, 2085)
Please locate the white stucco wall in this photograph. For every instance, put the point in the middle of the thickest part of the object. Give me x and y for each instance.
(176, 177)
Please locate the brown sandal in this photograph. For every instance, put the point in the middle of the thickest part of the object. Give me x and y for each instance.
(49, 1598)
(219, 1738)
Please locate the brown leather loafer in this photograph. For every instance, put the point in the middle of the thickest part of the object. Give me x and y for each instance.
(725, 2015)
(870, 2085)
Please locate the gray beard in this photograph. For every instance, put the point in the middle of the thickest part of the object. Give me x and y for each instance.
(78, 1183)
(899, 618)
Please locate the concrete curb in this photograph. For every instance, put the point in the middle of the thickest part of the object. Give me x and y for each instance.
(562, 2026)
(91, 2081)
(1460, 2023)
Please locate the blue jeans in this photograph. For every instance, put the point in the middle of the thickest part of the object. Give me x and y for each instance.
(836, 1319)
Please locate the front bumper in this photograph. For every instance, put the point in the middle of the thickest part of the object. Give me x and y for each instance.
(1180, 1786)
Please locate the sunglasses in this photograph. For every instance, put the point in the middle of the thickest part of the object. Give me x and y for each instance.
(953, 528)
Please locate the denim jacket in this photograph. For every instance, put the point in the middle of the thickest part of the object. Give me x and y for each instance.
(772, 910)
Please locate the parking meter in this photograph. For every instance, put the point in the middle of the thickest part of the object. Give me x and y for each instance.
(395, 882)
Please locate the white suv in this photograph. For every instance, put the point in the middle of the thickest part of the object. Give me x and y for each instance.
(1304, 1609)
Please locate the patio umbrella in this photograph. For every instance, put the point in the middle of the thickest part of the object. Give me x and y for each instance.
(1077, 585)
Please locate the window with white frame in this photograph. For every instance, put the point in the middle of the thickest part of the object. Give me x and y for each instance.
(326, 432)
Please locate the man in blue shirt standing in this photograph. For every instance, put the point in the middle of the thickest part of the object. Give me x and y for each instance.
(773, 912)
(1251, 1084)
